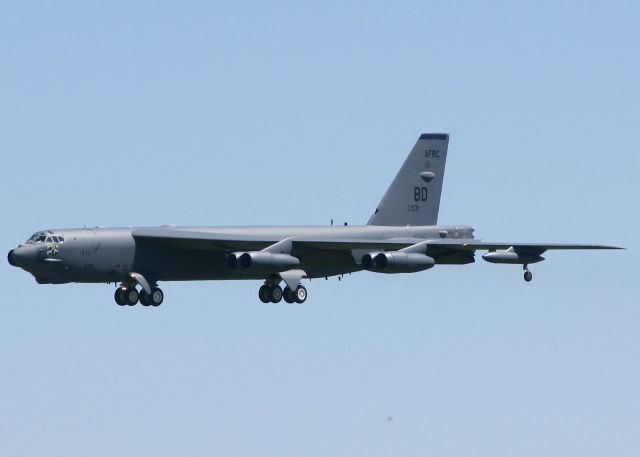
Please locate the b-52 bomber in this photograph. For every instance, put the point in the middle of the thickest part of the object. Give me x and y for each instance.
(402, 236)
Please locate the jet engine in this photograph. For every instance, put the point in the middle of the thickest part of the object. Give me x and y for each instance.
(396, 262)
(261, 261)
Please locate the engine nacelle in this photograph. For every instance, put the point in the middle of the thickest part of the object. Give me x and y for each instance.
(397, 262)
(367, 261)
(261, 261)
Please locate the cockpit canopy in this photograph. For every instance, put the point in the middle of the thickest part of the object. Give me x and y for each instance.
(45, 237)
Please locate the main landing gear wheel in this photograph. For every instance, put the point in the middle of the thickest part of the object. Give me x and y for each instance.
(300, 295)
(288, 295)
(143, 298)
(275, 294)
(131, 296)
(126, 296)
(528, 276)
(157, 297)
(295, 296)
(118, 297)
(270, 294)
(263, 294)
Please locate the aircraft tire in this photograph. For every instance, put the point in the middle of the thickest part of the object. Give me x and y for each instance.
(143, 298)
(157, 297)
(118, 297)
(276, 294)
(288, 296)
(528, 276)
(264, 294)
(300, 294)
(130, 296)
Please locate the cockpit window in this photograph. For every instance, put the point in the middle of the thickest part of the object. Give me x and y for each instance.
(41, 237)
(37, 238)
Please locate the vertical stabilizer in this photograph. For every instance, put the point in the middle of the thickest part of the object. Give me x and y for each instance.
(414, 195)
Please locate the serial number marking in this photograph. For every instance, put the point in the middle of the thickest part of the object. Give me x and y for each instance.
(413, 208)
(432, 153)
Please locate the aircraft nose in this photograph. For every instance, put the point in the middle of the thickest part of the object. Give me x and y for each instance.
(20, 256)
(11, 257)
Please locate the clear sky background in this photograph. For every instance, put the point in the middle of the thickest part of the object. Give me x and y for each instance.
(211, 113)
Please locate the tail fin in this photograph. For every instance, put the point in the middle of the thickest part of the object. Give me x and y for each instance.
(414, 195)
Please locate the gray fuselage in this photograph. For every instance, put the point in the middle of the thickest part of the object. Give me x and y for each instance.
(94, 255)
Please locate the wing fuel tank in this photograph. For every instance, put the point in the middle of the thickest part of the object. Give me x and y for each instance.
(512, 257)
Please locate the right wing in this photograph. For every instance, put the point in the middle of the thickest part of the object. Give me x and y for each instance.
(442, 250)
(205, 240)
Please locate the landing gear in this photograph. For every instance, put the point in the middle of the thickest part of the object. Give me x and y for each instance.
(300, 294)
(264, 294)
(275, 294)
(131, 296)
(270, 293)
(118, 297)
(294, 296)
(156, 297)
(287, 294)
(127, 294)
(527, 274)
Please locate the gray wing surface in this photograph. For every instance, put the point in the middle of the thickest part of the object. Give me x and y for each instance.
(192, 239)
(529, 248)
(200, 240)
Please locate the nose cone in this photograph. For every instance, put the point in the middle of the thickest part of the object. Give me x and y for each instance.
(11, 257)
(21, 256)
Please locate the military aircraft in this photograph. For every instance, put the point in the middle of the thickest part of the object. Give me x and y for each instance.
(402, 236)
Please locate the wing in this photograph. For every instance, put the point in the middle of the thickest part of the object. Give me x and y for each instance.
(206, 240)
(529, 248)
(459, 251)
(201, 240)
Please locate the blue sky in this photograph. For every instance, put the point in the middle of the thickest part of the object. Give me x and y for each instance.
(196, 113)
